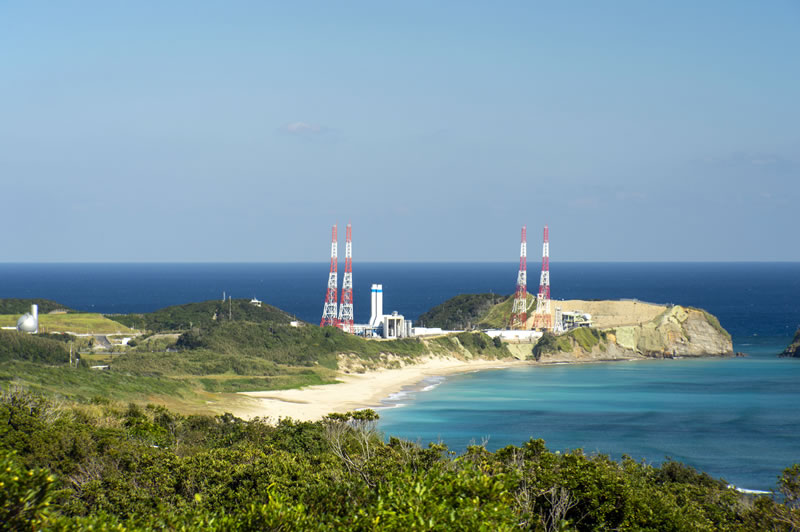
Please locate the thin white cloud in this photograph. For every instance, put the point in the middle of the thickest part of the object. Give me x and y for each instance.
(302, 128)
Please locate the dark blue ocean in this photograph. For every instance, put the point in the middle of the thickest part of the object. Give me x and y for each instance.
(734, 418)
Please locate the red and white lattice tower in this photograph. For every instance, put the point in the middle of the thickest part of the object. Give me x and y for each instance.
(329, 310)
(519, 313)
(346, 307)
(542, 318)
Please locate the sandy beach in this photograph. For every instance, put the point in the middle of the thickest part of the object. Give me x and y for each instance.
(355, 390)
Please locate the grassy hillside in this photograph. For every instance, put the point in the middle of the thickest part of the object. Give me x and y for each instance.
(107, 466)
(21, 306)
(584, 337)
(460, 312)
(203, 315)
(32, 348)
(473, 311)
(80, 323)
(498, 316)
(257, 350)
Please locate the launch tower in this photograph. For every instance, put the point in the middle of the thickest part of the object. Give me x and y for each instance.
(346, 307)
(519, 313)
(329, 310)
(542, 318)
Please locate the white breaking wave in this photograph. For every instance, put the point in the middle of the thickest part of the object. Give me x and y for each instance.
(752, 492)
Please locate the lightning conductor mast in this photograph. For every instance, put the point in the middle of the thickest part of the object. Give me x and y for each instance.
(542, 318)
(346, 306)
(329, 310)
(519, 313)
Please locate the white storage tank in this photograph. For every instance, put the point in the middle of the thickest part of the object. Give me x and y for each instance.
(29, 322)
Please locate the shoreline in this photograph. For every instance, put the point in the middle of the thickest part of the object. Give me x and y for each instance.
(356, 390)
(370, 389)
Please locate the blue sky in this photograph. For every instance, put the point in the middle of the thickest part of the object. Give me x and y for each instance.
(186, 131)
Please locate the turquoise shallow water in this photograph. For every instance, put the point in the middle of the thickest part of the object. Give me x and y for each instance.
(734, 418)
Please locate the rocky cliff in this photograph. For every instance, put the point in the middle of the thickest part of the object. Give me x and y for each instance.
(794, 348)
(677, 331)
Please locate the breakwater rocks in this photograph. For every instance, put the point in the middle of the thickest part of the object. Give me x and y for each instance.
(676, 331)
(793, 351)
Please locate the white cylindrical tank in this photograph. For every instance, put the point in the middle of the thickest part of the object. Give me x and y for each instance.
(376, 300)
(29, 322)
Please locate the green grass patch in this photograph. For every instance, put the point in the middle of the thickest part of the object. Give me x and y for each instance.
(15, 346)
(549, 343)
(256, 384)
(83, 384)
(81, 323)
(499, 316)
(586, 337)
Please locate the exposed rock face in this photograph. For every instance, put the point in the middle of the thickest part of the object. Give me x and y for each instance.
(677, 331)
(794, 348)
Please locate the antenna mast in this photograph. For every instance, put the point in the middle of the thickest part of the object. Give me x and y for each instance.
(346, 307)
(519, 316)
(542, 319)
(329, 310)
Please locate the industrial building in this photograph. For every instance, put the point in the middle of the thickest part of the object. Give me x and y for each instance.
(566, 321)
(392, 325)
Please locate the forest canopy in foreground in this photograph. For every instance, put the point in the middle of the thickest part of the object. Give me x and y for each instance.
(110, 466)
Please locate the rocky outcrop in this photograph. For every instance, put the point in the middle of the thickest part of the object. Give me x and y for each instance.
(793, 351)
(679, 331)
(676, 332)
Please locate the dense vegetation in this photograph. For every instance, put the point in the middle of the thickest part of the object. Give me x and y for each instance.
(108, 466)
(203, 315)
(32, 348)
(464, 311)
(21, 306)
(473, 311)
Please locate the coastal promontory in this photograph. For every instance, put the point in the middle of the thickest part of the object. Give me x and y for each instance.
(620, 329)
(793, 350)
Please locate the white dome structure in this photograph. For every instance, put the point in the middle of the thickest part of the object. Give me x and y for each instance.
(29, 322)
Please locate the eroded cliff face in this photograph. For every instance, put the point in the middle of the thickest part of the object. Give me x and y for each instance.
(678, 331)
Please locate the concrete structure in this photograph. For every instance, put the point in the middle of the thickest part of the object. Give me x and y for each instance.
(393, 326)
(29, 322)
(255, 302)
